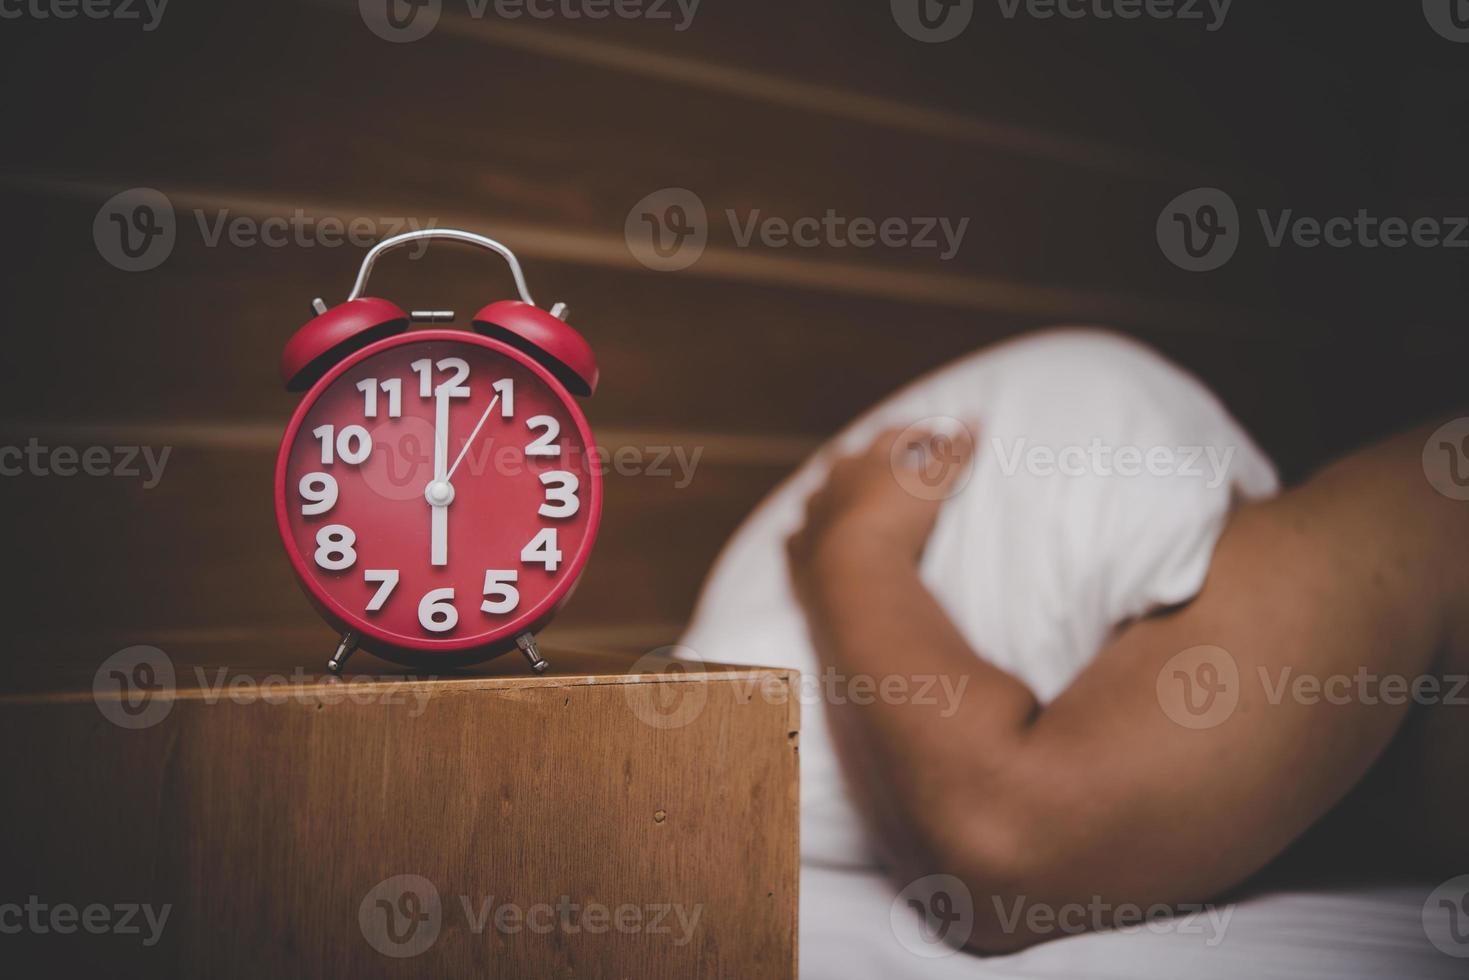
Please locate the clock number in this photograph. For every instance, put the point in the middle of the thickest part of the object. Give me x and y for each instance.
(319, 490)
(500, 595)
(369, 388)
(542, 445)
(387, 581)
(334, 547)
(542, 550)
(454, 387)
(505, 388)
(436, 612)
(353, 443)
(561, 499)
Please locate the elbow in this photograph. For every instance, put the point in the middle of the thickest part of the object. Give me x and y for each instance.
(1011, 874)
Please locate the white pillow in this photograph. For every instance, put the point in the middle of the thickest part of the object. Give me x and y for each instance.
(1037, 559)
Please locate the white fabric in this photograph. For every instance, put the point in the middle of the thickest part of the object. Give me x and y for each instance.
(1036, 566)
(847, 933)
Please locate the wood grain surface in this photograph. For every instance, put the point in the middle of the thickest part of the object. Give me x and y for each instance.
(267, 809)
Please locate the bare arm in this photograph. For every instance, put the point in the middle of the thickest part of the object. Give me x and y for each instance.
(1105, 794)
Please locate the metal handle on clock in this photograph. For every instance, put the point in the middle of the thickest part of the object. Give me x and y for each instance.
(448, 234)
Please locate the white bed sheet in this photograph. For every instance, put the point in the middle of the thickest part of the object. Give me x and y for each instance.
(1340, 934)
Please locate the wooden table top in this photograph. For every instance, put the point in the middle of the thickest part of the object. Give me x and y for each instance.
(295, 662)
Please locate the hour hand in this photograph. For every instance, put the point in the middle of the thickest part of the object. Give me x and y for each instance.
(440, 492)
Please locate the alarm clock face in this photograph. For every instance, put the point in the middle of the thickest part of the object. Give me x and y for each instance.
(438, 492)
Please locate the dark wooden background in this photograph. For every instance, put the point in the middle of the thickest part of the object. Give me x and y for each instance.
(1060, 141)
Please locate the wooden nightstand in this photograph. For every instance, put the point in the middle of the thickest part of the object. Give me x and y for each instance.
(601, 820)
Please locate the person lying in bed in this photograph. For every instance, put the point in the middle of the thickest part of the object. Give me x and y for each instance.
(1161, 671)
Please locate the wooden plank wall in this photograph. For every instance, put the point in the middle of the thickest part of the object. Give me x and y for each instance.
(1059, 141)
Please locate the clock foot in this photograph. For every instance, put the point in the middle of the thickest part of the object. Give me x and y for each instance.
(527, 644)
(344, 650)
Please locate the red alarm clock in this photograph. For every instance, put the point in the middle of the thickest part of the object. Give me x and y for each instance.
(437, 490)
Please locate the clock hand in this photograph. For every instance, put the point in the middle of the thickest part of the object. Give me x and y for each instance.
(440, 493)
(441, 436)
(470, 441)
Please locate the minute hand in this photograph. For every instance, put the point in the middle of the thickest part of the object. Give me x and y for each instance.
(470, 441)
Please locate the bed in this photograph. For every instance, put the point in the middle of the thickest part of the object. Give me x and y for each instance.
(847, 933)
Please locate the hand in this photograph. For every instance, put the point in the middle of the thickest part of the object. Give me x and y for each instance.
(881, 504)
(473, 436)
(440, 493)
